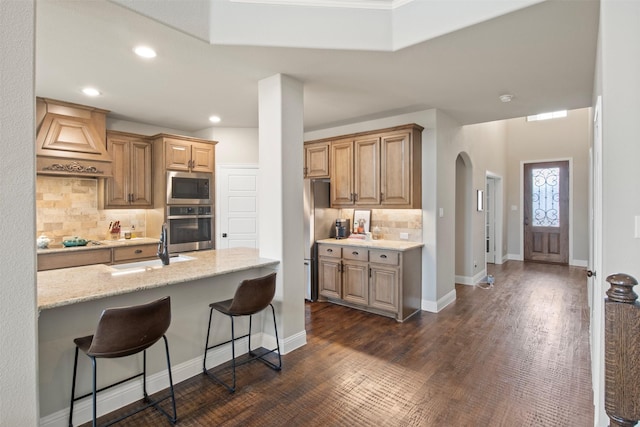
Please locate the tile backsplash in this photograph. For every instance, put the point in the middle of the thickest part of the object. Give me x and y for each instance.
(392, 222)
(69, 207)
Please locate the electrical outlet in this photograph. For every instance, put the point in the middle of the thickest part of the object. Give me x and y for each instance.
(404, 236)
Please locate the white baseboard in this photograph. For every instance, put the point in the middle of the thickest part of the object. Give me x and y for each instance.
(515, 257)
(579, 263)
(436, 306)
(471, 281)
(130, 392)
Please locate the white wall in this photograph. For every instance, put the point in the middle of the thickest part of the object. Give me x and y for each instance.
(563, 138)
(235, 145)
(617, 82)
(18, 314)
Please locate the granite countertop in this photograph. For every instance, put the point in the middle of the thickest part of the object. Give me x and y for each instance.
(66, 286)
(98, 244)
(374, 244)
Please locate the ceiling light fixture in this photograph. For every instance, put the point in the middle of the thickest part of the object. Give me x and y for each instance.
(90, 91)
(214, 119)
(506, 97)
(145, 52)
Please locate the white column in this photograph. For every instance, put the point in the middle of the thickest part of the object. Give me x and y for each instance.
(18, 314)
(280, 203)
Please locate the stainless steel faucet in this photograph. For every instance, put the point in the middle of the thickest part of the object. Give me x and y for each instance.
(163, 246)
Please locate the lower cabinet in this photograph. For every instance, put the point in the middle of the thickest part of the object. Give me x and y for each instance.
(117, 255)
(381, 281)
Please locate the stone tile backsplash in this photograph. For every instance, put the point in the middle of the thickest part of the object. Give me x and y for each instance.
(392, 222)
(69, 207)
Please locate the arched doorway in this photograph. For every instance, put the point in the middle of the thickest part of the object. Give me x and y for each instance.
(465, 206)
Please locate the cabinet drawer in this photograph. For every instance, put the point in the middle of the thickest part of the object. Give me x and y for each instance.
(330, 251)
(356, 254)
(384, 257)
(73, 259)
(134, 252)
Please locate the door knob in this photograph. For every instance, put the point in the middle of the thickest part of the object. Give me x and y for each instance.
(591, 273)
(224, 234)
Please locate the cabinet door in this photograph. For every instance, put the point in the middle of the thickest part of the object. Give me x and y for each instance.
(202, 157)
(177, 154)
(329, 278)
(316, 160)
(367, 171)
(396, 170)
(140, 173)
(117, 187)
(384, 287)
(342, 173)
(355, 282)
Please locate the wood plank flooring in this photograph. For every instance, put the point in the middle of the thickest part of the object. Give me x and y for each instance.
(516, 354)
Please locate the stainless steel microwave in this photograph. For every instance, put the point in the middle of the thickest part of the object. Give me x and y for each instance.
(189, 188)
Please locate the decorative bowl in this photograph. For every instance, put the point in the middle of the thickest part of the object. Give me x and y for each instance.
(76, 241)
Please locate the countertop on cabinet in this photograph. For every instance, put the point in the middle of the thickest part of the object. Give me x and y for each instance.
(68, 286)
(374, 244)
(99, 244)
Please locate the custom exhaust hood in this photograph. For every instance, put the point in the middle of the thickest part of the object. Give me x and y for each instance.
(71, 140)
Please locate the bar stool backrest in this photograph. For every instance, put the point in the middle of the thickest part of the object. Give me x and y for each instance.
(123, 331)
(253, 295)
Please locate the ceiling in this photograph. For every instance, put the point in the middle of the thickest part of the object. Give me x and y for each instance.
(543, 54)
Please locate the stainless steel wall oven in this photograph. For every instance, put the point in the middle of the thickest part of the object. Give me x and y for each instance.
(190, 228)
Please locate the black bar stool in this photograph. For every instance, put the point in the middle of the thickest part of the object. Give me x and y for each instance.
(121, 332)
(251, 297)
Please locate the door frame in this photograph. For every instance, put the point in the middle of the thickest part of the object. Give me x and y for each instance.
(521, 225)
(498, 216)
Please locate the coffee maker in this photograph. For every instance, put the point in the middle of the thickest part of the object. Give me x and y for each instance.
(343, 228)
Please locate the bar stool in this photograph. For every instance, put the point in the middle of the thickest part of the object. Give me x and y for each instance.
(251, 297)
(121, 332)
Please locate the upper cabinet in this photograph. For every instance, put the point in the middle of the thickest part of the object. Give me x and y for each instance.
(70, 139)
(130, 186)
(377, 169)
(187, 154)
(316, 160)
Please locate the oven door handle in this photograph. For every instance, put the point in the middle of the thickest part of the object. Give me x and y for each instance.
(189, 216)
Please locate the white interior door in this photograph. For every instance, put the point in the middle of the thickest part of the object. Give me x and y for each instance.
(237, 210)
(490, 221)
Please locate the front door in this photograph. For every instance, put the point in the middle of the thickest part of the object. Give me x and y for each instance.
(546, 212)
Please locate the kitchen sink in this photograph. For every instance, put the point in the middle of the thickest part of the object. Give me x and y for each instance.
(139, 266)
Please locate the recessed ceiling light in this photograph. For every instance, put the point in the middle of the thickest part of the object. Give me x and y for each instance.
(145, 51)
(506, 97)
(214, 119)
(90, 91)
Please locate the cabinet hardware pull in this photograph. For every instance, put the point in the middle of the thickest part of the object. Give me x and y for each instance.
(383, 256)
(354, 253)
(330, 250)
(381, 196)
(138, 251)
(356, 196)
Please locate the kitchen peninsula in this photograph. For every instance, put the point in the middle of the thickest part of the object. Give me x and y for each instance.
(70, 301)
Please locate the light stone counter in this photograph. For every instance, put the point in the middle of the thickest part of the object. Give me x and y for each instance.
(67, 286)
(374, 244)
(98, 244)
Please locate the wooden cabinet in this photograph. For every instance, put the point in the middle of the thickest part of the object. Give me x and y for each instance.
(130, 186)
(113, 255)
(382, 281)
(187, 154)
(316, 160)
(378, 169)
(135, 253)
(56, 260)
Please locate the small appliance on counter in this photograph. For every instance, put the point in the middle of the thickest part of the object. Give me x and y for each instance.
(343, 228)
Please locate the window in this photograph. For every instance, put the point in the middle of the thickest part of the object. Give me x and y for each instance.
(547, 116)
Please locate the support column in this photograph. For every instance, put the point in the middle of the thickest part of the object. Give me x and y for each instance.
(280, 204)
(18, 314)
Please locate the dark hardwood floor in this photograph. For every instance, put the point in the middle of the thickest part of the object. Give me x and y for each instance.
(516, 354)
